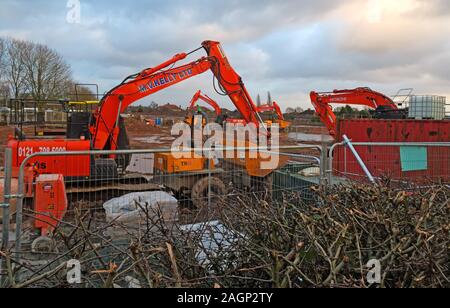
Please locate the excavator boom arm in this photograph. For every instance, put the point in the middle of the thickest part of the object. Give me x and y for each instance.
(105, 128)
(200, 96)
(359, 96)
(231, 83)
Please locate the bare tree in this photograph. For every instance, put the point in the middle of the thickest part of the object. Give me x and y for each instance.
(47, 73)
(290, 110)
(72, 91)
(4, 89)
(85, 93)
(29, 70)
(14, 66)
(2, 59)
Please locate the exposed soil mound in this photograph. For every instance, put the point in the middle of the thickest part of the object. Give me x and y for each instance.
(170, 110)
(138, 127)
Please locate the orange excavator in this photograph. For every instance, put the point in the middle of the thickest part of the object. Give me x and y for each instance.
(105, 130)
(384, 106)
(221, 119)
(200, 96)
(274, 107)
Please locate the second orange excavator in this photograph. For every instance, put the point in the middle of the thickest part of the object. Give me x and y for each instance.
(221, 118)
(385, 107)
(200, 96)
(274, 107)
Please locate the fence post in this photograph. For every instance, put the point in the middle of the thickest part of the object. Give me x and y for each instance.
(324, 164)
(5, 206)
(209, 182)
(19, 214)
(358, 158)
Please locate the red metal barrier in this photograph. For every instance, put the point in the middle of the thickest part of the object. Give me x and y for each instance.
(369, 130)
(386, 160)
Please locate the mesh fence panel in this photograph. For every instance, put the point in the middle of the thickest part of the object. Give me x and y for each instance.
(115, 202)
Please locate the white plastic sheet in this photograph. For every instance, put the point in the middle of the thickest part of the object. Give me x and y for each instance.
(132, 208)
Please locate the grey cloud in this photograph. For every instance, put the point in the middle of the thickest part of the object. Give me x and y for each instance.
(287, 47)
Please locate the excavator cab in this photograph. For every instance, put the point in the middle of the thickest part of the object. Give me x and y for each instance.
(389, 113)
(199, 115)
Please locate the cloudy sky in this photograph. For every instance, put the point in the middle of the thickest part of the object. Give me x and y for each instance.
(286, 47)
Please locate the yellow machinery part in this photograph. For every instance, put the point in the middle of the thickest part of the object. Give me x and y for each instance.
(282, 123)
(84, 103)
(168, 164)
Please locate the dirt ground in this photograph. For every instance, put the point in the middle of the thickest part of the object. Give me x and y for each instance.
(143, 136)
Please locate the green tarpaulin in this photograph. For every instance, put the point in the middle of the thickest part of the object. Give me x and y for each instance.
(414, 158)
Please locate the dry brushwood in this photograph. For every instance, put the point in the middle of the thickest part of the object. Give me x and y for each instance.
(329, 243)
(290, 243)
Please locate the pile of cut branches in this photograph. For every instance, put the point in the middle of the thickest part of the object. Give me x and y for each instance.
(259, 243)
(333, 242)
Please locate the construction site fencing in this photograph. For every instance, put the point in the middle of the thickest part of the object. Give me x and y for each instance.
(110, 208)
(401, 163)
(134, 227)
(36, 112)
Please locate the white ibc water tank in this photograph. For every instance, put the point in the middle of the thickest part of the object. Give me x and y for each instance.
(427, 107)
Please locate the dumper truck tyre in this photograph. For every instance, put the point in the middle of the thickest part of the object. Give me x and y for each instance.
(199, 192)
